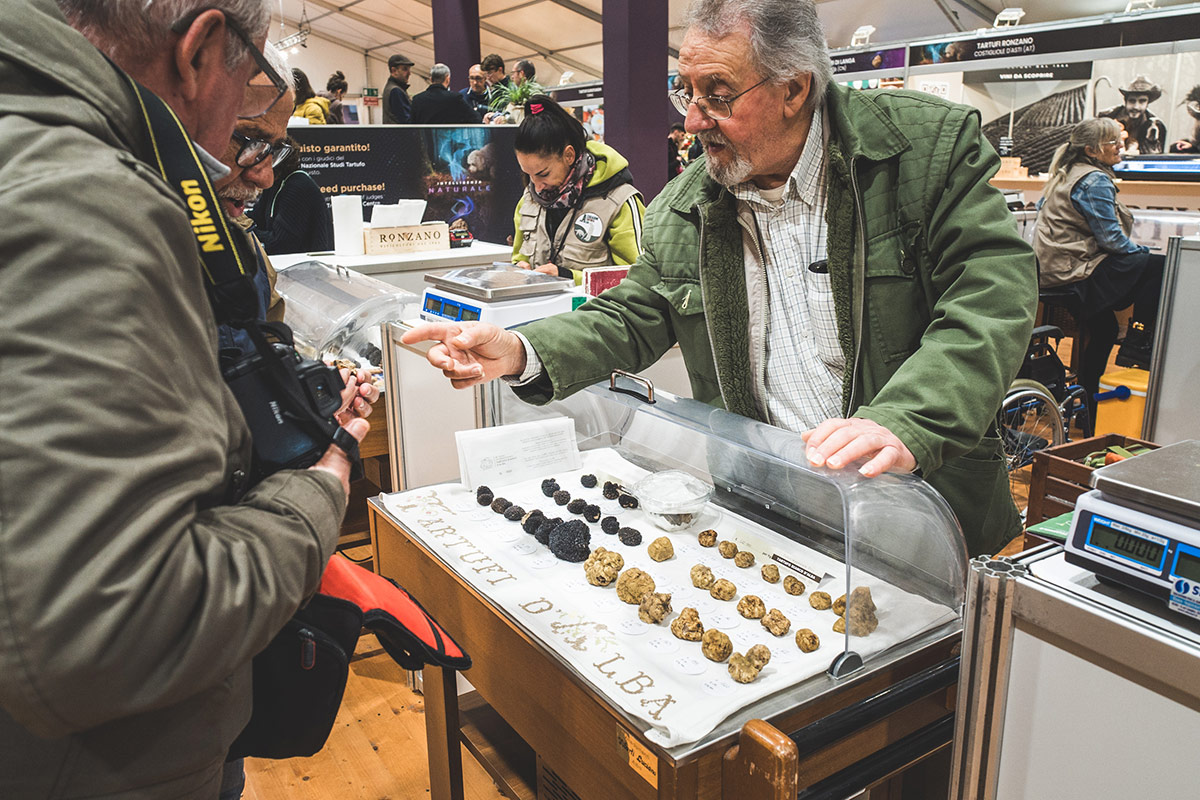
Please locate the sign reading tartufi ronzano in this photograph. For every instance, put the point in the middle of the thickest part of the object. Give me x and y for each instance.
(407, 238)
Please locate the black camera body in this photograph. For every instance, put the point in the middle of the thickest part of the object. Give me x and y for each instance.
(288, 402)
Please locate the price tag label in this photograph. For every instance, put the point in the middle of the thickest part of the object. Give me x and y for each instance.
(641, 760)
(1185, 598)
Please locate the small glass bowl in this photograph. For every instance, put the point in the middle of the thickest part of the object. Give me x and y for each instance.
(672, 499)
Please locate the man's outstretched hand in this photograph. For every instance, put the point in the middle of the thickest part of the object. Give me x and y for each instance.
(470, 352)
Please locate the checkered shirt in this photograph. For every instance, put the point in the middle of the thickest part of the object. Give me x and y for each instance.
(804, 360)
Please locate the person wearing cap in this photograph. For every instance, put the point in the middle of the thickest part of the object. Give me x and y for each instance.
(397, 105)
(1147, 133)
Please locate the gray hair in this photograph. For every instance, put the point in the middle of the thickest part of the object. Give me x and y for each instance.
(277, 62)
(438, 73)
(1091, 133)
(127, 30)
(786, 37)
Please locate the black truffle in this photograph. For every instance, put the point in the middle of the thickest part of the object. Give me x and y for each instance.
(549, 487)
(542, 534)
(609, 525)
(588, 481)
(562, 497)
(577, 505)
(591, 513)
(484, 499)
(532, 520)
(481, 489)
(630, 536)
(569, 541)
(628, 501)
(514, 513)
(610, 490)
(500, 505)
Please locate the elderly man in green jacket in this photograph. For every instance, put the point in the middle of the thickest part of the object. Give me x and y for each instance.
(838, 265)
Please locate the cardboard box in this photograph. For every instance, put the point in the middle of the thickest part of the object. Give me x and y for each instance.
(407, 238)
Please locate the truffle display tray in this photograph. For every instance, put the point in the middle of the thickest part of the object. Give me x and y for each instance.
(596, 750)
(667, 684)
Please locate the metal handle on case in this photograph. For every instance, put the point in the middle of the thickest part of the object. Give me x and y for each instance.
(645, 382)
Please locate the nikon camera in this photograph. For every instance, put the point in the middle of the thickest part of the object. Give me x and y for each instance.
(288, 402)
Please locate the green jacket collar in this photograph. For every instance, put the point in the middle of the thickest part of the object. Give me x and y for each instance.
(855, 122)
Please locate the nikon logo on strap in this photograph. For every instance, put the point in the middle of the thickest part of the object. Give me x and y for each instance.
(202, 222)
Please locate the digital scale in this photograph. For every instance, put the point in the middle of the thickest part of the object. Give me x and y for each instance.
(1140, 526)
(501, 294)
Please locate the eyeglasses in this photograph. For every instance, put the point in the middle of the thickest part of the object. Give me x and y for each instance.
(713, 106)
(253, 151)
(265, 87)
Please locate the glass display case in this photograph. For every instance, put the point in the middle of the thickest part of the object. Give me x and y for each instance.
(859, 573)
(337, 312)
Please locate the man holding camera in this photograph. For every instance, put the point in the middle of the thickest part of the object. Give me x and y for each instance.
(139, 572)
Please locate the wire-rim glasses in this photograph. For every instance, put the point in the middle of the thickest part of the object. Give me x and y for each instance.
(713, 106)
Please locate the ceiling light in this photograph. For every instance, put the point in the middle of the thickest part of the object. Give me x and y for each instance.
(1008, 17)
(862, 36)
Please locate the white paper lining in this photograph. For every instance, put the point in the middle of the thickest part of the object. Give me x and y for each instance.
(645, 670)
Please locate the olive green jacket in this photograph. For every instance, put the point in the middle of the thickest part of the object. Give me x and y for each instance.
(133, 592)
(934, 293)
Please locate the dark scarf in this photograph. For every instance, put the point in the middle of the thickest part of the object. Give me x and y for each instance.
(567, 195)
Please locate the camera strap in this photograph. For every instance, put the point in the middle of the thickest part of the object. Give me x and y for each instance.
(225, 251)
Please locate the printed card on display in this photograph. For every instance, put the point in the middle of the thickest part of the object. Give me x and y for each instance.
(512, 453)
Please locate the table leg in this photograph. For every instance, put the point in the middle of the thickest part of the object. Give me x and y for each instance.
(442, 734)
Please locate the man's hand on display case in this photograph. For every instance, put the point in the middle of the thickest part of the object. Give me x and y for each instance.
(838, 442)
(335, 461)
(359, 396)
(470, 352)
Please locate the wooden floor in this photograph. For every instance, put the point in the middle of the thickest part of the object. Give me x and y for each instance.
(376, 750)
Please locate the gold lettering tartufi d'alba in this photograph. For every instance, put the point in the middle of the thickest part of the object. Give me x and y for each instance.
(202, 221)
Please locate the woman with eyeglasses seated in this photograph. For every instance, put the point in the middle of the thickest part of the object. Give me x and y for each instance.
(1082, 242)
(291, 216)
(308, 105)
(580, 208)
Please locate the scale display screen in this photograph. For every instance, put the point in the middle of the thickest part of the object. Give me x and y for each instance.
(433, 305)
(1187, 566)
(1126, 542)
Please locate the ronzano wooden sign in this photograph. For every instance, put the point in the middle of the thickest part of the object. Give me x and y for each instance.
(407, 238)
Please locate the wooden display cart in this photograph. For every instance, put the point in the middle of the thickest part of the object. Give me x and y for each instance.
(543, 732)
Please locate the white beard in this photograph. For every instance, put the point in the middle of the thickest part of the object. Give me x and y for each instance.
(736, 170)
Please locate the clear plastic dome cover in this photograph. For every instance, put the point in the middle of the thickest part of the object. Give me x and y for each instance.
(336, 311)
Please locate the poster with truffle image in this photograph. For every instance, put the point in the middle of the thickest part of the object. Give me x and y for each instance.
(468, 175)
(666, 626)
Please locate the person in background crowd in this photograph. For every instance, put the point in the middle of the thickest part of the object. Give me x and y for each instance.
(497, 82)
(523, 71)
(1082, 242)
(1147, 133)
(580, 208)
(308, 105)
(476, 92)
(335, 88)
(437, 105)
(291, 215)
(397, 106)
(1190, 144)
(889, 358)
(132, 677)
(676, 139)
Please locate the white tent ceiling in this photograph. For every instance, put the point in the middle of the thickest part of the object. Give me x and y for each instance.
(565, 35)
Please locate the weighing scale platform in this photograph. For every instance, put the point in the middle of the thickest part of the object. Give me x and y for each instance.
(501, 294)
(1141, 526)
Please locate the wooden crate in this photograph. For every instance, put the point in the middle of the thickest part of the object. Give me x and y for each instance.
(1059, 475)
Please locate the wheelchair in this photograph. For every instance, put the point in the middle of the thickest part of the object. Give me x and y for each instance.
(1039, 410)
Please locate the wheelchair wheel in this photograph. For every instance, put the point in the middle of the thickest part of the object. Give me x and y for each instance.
(1029, 420)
